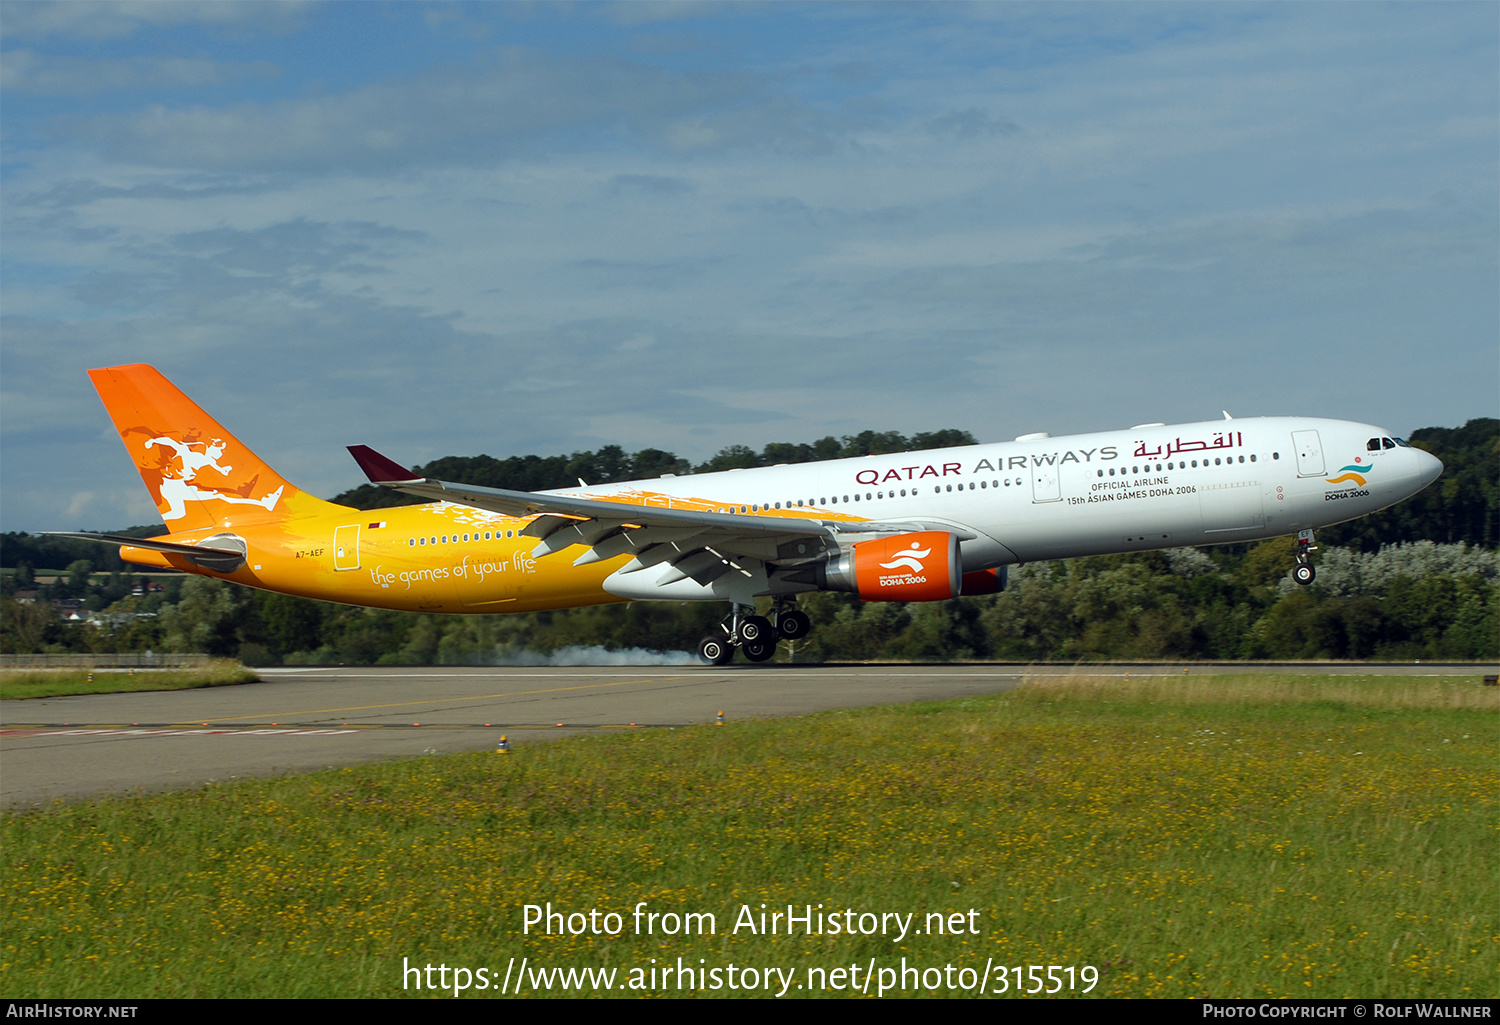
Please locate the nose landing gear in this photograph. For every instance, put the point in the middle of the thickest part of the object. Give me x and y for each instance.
(1303, 572)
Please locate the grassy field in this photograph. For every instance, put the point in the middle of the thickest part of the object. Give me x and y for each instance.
(56, 683)
(1226, 836)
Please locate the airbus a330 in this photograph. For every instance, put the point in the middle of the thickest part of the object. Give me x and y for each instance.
(910, 526)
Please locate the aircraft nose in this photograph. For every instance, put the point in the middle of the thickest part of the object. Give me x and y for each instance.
(1429, 467)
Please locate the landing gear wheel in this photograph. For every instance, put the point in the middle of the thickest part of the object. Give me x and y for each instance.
(794, 625)
(756, 628)
(1303, 572)
(715, 651)
(758, 651)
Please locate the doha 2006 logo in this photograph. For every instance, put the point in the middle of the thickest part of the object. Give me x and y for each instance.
(1355, 473)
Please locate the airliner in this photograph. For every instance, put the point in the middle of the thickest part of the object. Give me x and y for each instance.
(908, 526)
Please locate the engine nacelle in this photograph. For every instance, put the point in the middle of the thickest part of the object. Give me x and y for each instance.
(984, 581)
(920, 566)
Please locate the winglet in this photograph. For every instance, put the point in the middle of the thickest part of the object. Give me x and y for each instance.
(378, 468)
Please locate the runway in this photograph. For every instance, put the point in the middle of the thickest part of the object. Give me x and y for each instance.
(300, 720)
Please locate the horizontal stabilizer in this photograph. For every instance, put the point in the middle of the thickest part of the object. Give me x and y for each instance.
(224, 553)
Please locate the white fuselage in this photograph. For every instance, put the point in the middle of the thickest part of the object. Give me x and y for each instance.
(1148, 487)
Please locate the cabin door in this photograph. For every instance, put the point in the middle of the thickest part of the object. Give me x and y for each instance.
(346, 547)
(1309, 453)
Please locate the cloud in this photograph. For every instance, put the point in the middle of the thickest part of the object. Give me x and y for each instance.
(297, 246)
(971, 124)
(469, 116)
(77, 192)
(639, 274)
(650, 184)
(24, 71)
(113, 19)
(894, 217)
(649, 12)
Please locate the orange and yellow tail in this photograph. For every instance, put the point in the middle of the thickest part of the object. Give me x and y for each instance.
(199, 474)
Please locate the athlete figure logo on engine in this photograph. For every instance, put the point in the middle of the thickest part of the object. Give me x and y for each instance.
(911, 560)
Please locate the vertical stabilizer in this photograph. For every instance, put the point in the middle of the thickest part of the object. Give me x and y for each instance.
(197, 472)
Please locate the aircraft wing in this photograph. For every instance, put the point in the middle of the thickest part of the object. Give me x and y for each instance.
(700, 544)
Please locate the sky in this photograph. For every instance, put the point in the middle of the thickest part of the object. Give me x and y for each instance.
(453, 229)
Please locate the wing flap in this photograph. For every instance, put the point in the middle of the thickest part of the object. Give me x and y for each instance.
(634, 541)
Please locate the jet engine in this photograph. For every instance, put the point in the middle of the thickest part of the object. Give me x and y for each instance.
(920, 566)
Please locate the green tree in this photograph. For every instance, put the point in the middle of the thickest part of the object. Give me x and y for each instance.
(79, 575)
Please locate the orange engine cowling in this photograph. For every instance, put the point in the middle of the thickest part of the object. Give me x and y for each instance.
(920, 566)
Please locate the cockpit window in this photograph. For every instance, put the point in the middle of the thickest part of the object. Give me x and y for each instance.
(1387, 443)
(1373, 445)
(1402, 443)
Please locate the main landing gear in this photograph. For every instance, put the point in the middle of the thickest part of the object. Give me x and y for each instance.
(754, 635)
(1303, 572)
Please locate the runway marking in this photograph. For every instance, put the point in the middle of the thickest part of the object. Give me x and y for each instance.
(439, 701)
(561, 690)
(478, 672)
(22, 732)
